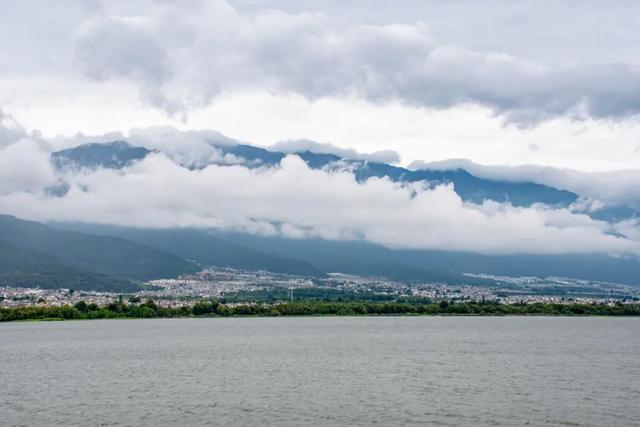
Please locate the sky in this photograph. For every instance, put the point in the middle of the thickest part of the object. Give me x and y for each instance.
(546, 91)
(495, 82)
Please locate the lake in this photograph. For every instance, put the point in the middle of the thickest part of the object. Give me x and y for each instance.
(323, 371)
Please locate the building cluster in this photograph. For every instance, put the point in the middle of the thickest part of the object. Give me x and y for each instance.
(216, 283)
(220, 283)
(18, 297)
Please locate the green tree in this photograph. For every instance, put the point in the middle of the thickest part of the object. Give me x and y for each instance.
(201, 308)
(81, 306)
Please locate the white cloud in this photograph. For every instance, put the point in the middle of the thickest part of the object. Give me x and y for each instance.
(300, 145)
(354, 74)
(10, 130)
(188, 148)
(214, 47)
(613, 187)
(111, 46)
(296, 201)
(25, 168)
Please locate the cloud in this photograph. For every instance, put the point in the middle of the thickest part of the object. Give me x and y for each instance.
(197, 148)
(295, 201)
(191, 148)
(10, 130)
(181, 56)
(213, 47)
(612, 187)
(25, 168)
(300, 145)
(110, 46)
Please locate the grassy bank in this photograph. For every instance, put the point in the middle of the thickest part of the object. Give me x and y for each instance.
(208, 308)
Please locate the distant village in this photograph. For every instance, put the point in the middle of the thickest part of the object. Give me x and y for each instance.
(232, 286)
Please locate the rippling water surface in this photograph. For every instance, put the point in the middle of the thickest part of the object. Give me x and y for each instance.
(322, 371)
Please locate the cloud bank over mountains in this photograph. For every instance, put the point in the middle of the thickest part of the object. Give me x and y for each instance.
(613, 186)
(186, 181)
(299, 145)
(366, 66)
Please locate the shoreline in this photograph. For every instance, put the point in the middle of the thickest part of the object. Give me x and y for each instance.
(583, 316)
(213, 310)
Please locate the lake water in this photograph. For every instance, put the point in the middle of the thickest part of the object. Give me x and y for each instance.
(322, 371)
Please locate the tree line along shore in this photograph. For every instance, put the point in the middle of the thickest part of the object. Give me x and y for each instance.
(212, 308)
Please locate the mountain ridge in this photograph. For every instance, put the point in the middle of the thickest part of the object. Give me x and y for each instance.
(28, 268)
(119, 154)
(100, 254)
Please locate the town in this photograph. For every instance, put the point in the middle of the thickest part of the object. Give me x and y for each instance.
(232, 287)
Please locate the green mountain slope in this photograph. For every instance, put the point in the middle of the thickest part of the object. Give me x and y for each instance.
(206, 249)
(360, 257)
(310, 257)
(23, 267)
(99, 254)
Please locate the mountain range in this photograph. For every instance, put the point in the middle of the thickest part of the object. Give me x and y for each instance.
(119, 154)
(92, 256)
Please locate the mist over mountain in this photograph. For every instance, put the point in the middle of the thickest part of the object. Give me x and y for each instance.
(164, 202)
(521, 187)
(339, 129)
(368, 259)
(119, 154)
(316, 256)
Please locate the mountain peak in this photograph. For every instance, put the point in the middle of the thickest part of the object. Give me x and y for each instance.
(113, 155)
